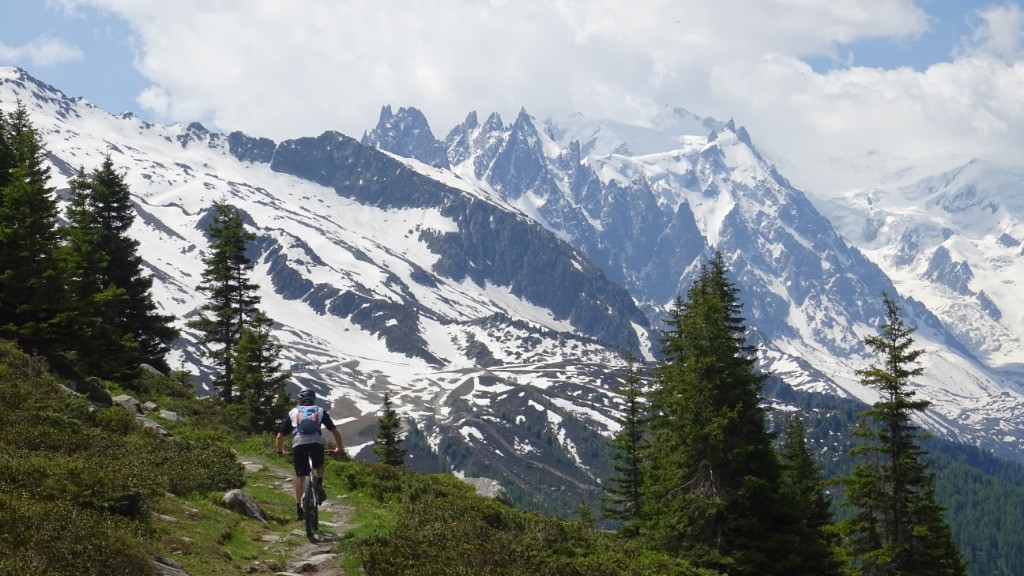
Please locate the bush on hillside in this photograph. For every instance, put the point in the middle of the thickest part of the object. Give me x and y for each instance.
(444, 528)
(58, 538)
(79, 479)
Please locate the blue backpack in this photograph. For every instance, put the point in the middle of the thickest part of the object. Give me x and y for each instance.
(307, 420)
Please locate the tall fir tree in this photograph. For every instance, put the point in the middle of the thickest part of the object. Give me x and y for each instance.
(388, 444)
(897, 526)
(232, 295)
(110, 202)
(106, 274)
(103, 348)
(712, 488)
(803, 492)
(624, 500)
(33, 303)
(262, 399)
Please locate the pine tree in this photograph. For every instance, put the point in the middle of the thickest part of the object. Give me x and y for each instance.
(33, 305)
(115, 316)
(712, 490)
(262, 399)
(109, 201)
(624, 501)
(233, 297)
(388, 445)
(802, 486)
(103, 348)
(897, 527)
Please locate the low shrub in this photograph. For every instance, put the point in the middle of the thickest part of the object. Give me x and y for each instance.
(58, 538)
(443, 528)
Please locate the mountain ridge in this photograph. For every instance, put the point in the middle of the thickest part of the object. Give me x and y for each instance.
(811, 295)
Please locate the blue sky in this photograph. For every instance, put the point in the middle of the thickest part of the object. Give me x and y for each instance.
(836, 91)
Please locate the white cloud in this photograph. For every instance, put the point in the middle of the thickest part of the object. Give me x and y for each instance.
(288, 69)
(846, 127)
(42, 51)
(999, 32)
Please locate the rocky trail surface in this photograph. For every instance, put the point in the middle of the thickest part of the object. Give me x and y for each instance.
(302, 556)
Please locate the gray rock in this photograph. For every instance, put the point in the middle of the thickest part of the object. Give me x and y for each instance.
(489, 488)
(149, 406)
(170, 416)
(167, 567)
(150, 369)
(153, 425)
(128, 403)
(241, 502)
(92, 389)
(313, 562)
(252, 467)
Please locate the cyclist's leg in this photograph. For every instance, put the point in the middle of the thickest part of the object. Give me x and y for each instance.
(301, 462)
(317, 452)
(319, 463)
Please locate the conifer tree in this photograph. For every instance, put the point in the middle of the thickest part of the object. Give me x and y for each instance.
(897, 527)
(116, 315)
(233, 297)
(110, 202)
(802, 486)
(103, 349)
(262, 399)
(712, 489)
(623, 501)
(388, 445)
(33, 308)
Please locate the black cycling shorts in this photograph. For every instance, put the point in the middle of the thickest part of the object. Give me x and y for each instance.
(301, 454)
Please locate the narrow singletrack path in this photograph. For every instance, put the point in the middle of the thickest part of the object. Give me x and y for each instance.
(303, 557)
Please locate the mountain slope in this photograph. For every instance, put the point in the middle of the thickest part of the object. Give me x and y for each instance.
(496, 336)
(955, 239)
(487, 296)
(649, 205)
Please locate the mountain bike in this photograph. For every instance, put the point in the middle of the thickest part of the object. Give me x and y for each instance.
(311, 505)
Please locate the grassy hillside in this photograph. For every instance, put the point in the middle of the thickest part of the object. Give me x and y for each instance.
(88, 489)
(81, 480)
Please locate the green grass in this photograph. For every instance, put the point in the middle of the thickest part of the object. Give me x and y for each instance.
(98, 493)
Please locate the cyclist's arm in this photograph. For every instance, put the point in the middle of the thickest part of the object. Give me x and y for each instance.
(285, 430)
(338, 446)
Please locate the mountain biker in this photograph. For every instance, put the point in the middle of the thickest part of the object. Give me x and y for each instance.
(308, 444)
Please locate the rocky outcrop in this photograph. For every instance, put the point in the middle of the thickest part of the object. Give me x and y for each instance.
(167, 567)
(408, 135)
(241, 502)
(489, 488)
(92, 389)
(955, 275)
(249, 149)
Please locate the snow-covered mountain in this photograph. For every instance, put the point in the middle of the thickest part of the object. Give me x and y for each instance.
(381, 273)
(648, 205)
(491, 280)
(956, 241)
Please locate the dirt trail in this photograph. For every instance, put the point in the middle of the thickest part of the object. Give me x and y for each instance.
(302, 556)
